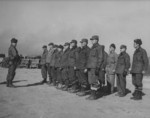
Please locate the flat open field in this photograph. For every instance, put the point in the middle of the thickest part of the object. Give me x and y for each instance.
(42, 101)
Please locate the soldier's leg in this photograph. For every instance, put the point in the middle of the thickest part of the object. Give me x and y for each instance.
(65, 77)
(54, 76)
(49, 73)
(112, 82)
(94, 84)
(44, 73)
(83, 80)
(123, 85)
(119, 84)
(108, 83)
(10, 74)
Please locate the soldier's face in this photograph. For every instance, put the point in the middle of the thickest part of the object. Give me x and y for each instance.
(135, 45)
(122, 50)
(111, 49)
(94, 41)
(59, 49)
(72, 45)
(50, 46)
(14, 44)
(83, 44)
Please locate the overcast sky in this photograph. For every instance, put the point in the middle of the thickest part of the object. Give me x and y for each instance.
(35, 23)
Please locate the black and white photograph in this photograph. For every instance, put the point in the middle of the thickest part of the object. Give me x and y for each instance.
(74, 59)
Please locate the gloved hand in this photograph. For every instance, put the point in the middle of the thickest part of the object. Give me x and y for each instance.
(125, 73)
(97, 71)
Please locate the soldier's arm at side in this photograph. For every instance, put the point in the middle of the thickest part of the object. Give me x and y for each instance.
(100, 57)
(145, 60)
(127, 63)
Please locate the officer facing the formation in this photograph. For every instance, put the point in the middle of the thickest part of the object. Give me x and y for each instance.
(95, 60)
(72, 58)
(81, 66)
(110, 68)
(43, 65)
(139, 67)
(13, 62)
(122, 69)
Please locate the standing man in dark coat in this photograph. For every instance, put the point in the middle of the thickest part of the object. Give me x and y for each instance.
(52, 64)
(81, 66)
(43, 65)
(64, 67)
(48, 60)
(13, 62)
(94, 64)
(122, 69)
(139, 67)
(58, 66)
(72, 58)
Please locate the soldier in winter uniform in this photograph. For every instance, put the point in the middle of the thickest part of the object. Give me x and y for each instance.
(43, 65)
(110, 68)
(139, 67)
(58, 66)
(48, 60)
(81, 64)
(52, 64)
(122, 69)
(13, 62)
(64, 67)
(94, 64)
(72, 58)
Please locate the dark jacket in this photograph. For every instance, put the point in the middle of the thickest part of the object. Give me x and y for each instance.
(140, 61)
(96, 56)
(43, 57)
(73, 55)
(12, 53)
(123, 63)
(58, 59)
(83, 55)
(53, 58)
(64, 59)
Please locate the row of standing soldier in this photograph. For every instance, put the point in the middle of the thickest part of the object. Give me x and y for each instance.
(82, 69)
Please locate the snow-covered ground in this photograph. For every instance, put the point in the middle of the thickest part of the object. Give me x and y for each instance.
(42, 101)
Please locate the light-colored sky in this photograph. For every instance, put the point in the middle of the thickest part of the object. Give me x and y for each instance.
(36, 23)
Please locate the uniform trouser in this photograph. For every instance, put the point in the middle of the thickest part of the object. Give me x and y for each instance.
(11, 72)
(49, 72)
(44, 71)
(121, 83)
(54, 74)
(137, 81)
(82, 77)
(65, 76)
(72, 76)
(59, 75)
(102, 77)
(110, 82)
(93, 79)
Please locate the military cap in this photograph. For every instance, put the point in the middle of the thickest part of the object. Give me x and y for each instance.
(66, 44)
(51, 44)
(113, 45)
(138, 41)
(95, 37)
(123, 46)
(84, 40)
(60, 46)
(73, 41)
(44, 46)
(13, 40)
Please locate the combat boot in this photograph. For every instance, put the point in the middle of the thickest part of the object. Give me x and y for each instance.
(93, 95)
(84, 91)
(138, 96)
